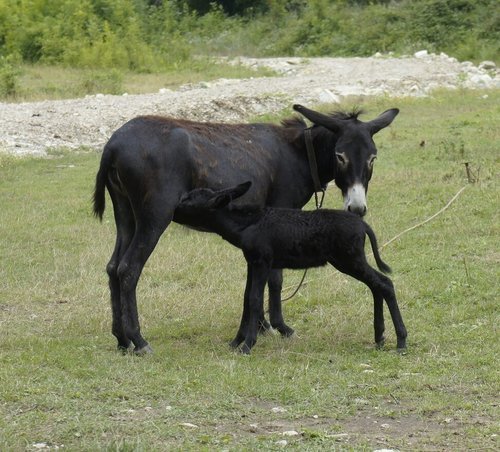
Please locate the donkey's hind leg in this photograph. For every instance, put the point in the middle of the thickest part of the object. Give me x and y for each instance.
(125, 229)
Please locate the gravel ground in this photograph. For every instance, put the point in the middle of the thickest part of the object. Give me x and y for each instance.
(34, 127)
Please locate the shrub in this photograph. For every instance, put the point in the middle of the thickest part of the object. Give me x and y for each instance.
(9, 76)
(154, 35)
(106, 82)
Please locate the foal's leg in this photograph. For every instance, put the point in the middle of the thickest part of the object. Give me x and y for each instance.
(125, 229)
(275, 284)
(242, 330)
(378, 318)
(381, 287)
(260, 276)
(390, 298)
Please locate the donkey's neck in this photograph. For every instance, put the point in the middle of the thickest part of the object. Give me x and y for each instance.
(324, 143)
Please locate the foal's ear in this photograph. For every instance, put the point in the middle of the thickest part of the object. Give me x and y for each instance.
(382, 121)
(241, 189)
(224, 197)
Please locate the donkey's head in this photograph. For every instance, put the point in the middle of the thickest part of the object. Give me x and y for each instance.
(355, 152)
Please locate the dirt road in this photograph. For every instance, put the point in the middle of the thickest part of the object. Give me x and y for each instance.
(32, 128)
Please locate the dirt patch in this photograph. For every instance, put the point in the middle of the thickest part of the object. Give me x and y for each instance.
(33, 128)
(366, 428)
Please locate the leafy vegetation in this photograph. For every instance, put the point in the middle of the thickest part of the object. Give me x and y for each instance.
(108, 40)
(142, 35)
(63, 383)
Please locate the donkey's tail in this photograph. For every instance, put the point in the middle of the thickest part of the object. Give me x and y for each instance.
(373, 241)
(99, 198)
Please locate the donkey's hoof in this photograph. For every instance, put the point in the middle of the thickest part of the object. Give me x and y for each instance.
(245, 349)
(122, 349)
(146, 350)
(264, 326)
(402, 350)
(379, 345)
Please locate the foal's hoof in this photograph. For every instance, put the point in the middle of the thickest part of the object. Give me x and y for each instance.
(379, 345)
(285, 330)
(146, 350)
(235, 343)
(402, 350)
(402, 345)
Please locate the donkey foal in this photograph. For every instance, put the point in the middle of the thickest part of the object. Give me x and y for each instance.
(277, 238)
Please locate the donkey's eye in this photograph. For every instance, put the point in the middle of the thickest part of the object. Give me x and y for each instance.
(341, 159)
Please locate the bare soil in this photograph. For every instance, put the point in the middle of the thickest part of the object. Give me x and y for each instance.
(34, 128)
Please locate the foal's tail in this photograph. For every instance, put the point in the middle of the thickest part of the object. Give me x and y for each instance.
(99, 199)
(373, 241)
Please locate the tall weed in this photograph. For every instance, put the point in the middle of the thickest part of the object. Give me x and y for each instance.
(106, 82)
(9, 76)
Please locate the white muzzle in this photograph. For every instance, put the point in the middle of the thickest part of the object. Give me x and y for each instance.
(355, 199)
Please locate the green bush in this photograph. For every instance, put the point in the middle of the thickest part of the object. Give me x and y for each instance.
(9, 76)
(106, 82)
(150, 35)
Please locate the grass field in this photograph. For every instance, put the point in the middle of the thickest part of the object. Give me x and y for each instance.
(63, 382)
(39, 82)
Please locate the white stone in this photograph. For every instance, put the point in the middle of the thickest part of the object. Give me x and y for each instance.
(421, 54)
(326, 96)
(487, 65)
(188, 424)
(278, 409)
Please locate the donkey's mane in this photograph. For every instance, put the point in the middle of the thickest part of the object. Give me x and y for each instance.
(352, 114)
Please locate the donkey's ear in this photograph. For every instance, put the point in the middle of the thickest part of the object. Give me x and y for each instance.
(382, 121)
(223, 197)
(319, 118)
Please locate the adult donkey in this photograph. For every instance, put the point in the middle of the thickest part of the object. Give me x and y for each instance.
(151, 161)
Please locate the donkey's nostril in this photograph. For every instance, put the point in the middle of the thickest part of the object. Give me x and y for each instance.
(358, 210)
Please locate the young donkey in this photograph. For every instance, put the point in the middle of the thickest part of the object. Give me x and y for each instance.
(277, 238)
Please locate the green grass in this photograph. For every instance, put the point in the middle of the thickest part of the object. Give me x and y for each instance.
(63, 383)
(41, 82)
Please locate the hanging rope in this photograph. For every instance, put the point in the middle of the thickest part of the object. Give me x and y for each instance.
(313, 167)
(427, 220)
